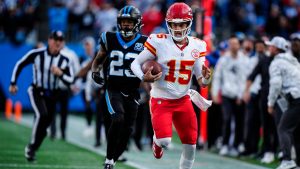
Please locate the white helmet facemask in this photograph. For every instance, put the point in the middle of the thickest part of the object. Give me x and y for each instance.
(184, 32)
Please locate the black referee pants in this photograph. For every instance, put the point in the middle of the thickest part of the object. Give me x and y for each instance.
(43, 104)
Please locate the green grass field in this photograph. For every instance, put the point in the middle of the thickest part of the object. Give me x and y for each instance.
(52, 154)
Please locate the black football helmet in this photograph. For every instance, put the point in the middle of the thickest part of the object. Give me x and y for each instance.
(129, 12)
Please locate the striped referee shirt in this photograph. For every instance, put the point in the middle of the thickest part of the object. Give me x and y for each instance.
(42, 62)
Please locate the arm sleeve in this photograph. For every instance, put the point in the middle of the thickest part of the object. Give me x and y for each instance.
(152, 43)
(256, 71)
(275, 82)
(68, 75)
(200, 61)
(141, 58)
(198, 67)
(23, 62)
(102, 41)
(242, 73)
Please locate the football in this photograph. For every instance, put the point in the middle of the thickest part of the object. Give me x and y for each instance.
(148, 64)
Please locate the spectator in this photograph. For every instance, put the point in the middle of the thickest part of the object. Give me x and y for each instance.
(152, 18)
(229, 77)
(106, 18)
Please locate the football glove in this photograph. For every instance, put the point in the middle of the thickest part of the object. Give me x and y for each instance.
(97, 78)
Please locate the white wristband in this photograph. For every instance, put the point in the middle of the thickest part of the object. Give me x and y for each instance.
(205, 81)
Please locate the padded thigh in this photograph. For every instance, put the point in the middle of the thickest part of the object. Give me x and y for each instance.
(185, 122)
(161, 118)
(180, 112)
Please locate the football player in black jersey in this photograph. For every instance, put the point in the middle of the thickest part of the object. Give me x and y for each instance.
(117, 51)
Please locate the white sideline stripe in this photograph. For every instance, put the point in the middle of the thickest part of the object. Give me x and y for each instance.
(46, 166)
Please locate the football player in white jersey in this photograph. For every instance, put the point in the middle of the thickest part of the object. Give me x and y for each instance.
(180, 56)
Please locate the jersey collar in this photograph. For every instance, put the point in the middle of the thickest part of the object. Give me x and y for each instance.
(182, 47)
(128, 44)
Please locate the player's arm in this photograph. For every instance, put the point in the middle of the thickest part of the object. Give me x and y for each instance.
(202, 72)
(23, 62)
(256, 71)
(99, 59)
(137, 70)
(66, 75)
(83, 71)
(275, 84)
(97, 65)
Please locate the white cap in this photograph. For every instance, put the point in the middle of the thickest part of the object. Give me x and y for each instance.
(295, 36)
(278, 42)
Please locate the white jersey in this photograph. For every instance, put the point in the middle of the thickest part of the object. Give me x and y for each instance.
(178, 64)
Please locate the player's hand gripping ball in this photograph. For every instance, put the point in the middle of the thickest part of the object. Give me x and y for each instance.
(148, 64)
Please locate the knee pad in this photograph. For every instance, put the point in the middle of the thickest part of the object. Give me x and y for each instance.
(162, 142)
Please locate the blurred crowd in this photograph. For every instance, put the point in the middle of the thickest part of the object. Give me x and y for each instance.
(27, 20)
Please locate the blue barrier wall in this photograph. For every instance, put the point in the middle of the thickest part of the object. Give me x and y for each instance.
(9, 56)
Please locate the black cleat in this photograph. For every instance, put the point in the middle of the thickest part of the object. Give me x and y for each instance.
(29, 154)
(108, 166)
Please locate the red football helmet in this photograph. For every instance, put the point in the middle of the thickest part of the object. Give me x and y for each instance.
(179, 13)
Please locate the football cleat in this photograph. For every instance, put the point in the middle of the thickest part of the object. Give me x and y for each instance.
(29, 154)
(157, 151)
(108, 166)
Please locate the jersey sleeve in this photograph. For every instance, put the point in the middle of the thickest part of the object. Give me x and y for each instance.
(202, 48)
(201, 45)
(151, 44)
(23, 62)
(102, 41)
(198, 67)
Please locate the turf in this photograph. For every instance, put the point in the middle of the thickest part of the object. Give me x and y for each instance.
(52, 154)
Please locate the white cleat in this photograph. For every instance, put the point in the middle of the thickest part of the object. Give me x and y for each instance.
(268, 158)
(224, 151)
(287, 164)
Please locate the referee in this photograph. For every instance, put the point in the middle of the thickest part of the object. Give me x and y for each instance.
(49, 66)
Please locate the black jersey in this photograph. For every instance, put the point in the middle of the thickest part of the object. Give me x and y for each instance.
(120, 55)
